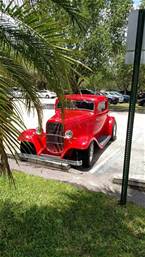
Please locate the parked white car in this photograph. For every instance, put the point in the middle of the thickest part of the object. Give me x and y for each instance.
(118, 95)
(15, 92)
(46, 94)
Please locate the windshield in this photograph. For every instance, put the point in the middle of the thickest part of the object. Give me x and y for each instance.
(111, 93)
(43, 91)
(115, 93)
(76, 105)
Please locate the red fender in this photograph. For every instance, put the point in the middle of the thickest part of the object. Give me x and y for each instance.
(31, 136)
(80, 143)
(111, 122)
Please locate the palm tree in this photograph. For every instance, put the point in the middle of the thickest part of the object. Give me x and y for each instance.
(30, 43)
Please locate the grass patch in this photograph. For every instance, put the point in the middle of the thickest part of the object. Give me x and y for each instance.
(125, 107)
(43, 218)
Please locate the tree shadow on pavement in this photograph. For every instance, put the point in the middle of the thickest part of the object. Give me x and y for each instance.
(133, 195)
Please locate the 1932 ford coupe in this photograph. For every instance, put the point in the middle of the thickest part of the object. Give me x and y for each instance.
(74, 131)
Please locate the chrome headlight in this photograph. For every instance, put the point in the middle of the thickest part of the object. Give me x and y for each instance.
(68, 134)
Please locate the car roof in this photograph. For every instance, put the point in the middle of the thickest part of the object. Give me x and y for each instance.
(86, 97)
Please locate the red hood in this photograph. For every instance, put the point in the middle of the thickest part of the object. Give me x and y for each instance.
(71, 116)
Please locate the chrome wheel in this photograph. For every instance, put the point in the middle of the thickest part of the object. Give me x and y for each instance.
(91, 152)
(88, 155)
(114, 130)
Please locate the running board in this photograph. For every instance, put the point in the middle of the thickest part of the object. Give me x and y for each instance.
(48, 160)
(103, 140)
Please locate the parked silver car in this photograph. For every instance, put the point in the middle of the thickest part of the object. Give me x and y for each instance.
(118, 95)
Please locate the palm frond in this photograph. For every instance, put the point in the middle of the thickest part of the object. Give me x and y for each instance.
(10, 124)
(27, 42)
(30, 43)
(73, 12)
(24, 80)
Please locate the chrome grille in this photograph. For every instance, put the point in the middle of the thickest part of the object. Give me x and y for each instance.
(54, 137)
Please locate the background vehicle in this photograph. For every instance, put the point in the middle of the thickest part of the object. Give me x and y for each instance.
(118, 95)
(84, 126)
(141, 95)
(112, 99)
(86, 91)
(15, 92)
(126, 98)
(141, 102)
(141, 99)
(46, 94)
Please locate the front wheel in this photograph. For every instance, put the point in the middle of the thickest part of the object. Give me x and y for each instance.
(88, 156)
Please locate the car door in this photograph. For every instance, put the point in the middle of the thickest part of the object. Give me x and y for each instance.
(101, 115)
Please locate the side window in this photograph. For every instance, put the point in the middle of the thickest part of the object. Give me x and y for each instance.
(102, 106)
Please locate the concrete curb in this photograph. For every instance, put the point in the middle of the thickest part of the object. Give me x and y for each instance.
(135, 183)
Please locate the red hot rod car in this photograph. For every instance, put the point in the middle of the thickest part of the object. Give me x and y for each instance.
(73, 133)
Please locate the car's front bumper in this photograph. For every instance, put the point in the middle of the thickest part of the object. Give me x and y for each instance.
(49, 160)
